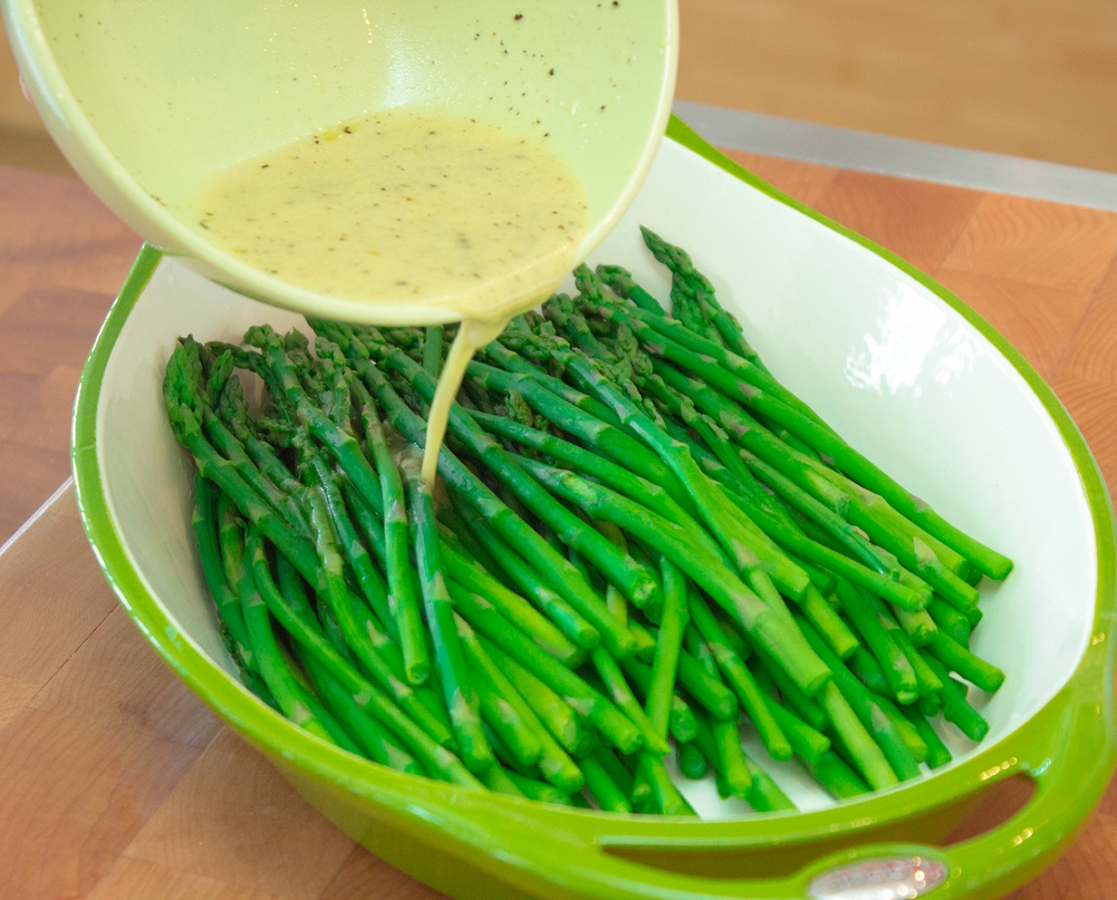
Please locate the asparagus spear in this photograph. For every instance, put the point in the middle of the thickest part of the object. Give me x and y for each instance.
(458, 686)
(504, 358)
(636, 487)
(765, 795)
(739, 678)
(609, 671)
(661, 690)
(358, 626)
(568, 621)
(849, 461)
(432, 350)
(554, 763)
(689, 281)
(456, 535)
(868, 711)
(669, 338)
(866, 756)
(559, 572)
(826, 621)
(330, 722)
(201, 391)
(374, 740)
(368, 578)
(950, 621)
(623, 285)
(937, 752)
(178, 391)
(498, 713)
(537, 790)
(640, 586)
(838, 777)
(666, 798)
(435, 758)
(402, 601)
(727, 741)
(604, 788)
(803, 472)
(691, 761)
(806, 741)
(337, 441)
(712, 575)
(702, 684)
(895, 665)
(955, 707)
(605, 716)
(958, 658)
(273, 670)
(233, 410)
(680, 720)
(234, 631)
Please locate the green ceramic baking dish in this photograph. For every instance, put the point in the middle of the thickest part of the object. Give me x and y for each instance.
(904, 370)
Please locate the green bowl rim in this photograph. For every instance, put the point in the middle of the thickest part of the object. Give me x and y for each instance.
(285, 742)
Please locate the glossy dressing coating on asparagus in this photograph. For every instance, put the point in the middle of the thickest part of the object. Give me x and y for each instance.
(640, 538)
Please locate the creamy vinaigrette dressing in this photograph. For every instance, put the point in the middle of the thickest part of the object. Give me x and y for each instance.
(408, 208)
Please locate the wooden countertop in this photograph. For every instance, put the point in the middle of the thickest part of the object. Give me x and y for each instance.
(115, 782)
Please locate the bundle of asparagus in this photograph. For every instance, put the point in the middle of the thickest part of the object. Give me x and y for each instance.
(643, 539)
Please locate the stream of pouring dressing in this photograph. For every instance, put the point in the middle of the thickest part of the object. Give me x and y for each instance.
(408, 207)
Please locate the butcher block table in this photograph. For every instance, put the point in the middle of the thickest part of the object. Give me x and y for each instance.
(117, 784)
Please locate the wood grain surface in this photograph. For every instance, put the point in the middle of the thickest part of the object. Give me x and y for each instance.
(117, 784)
(62, 258)
(1028, 78)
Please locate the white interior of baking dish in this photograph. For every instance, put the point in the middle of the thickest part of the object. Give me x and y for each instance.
(890, 365)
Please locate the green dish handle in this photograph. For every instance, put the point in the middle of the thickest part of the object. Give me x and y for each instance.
(1067, 749)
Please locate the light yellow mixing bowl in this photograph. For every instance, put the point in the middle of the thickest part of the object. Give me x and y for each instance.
(147, 99)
